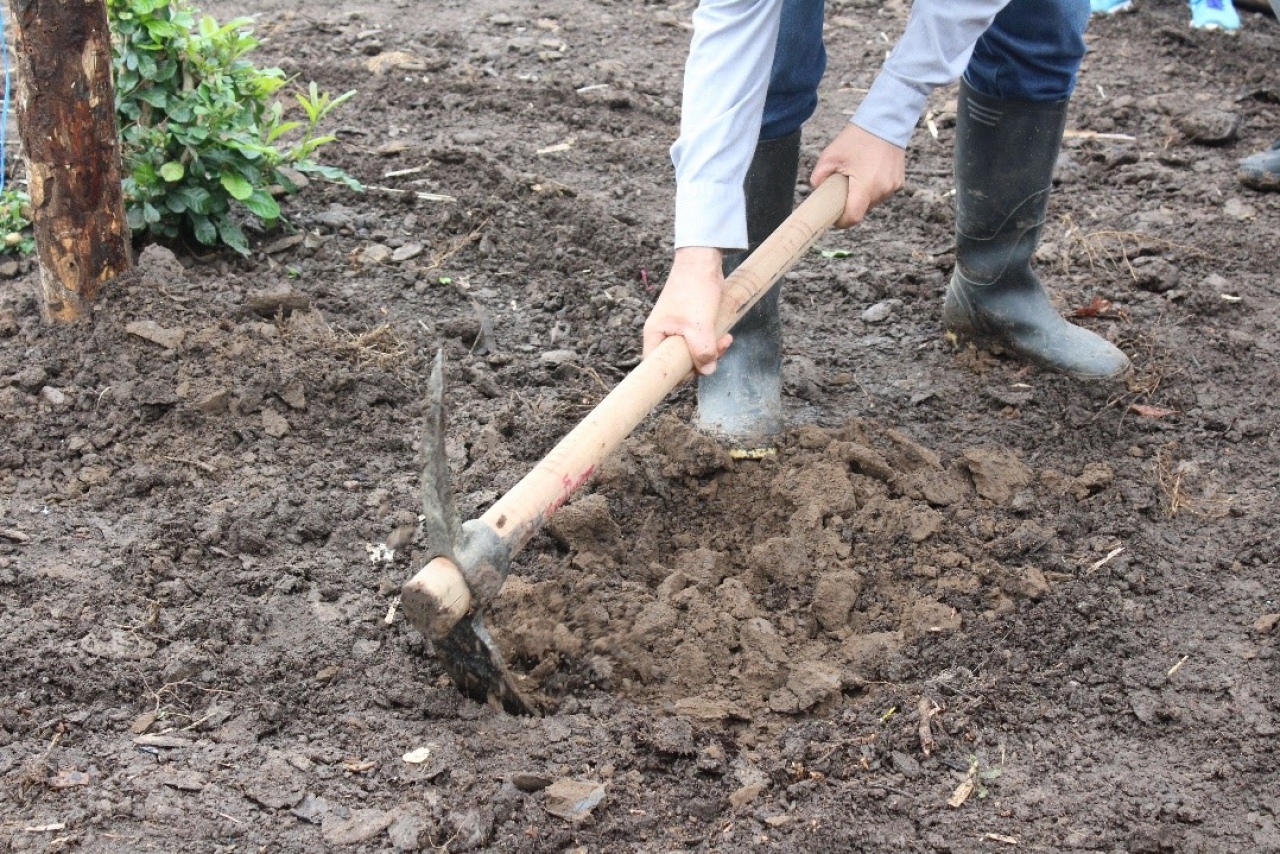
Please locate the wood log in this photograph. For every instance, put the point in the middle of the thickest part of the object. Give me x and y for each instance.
(67, 119)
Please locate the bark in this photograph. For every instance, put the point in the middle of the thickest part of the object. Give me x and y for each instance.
(67, 118)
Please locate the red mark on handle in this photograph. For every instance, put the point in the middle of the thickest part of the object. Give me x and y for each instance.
(571, 485)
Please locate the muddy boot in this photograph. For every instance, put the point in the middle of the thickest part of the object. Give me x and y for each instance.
(742, 400)
(1261, 171)
(1005, 154)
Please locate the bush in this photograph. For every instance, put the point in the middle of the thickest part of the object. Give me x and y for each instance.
(15, 221)
(202, 135)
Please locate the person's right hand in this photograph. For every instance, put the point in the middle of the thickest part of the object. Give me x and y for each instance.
(876, 170)
(688, 305)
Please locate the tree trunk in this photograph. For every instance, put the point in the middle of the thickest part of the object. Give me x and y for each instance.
(67, 117)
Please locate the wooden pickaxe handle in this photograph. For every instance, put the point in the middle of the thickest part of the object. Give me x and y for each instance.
(519, 514)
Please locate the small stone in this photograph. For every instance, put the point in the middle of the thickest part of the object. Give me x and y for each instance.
(336, 217)
(362, 826)
(185, 781)
(214, 402)
(53, 396)
(294, 177)
(392, 148)
(573, 800)
(295, 396)
(556, 358)
(31, 378)
(746, 795)
(274, 423)
(158, 264)
(277, 302)
(409, 832)
(9, 269)
(1028, 582)
(375, 253)
(94, 475)
(285, 243)
(406, 252)
(470, 137)
(905, 764)
(1266, 624)
(528, 781)
(118, 645)
(1239, 209)
(881, 311)
(151, 331)
(1209, 126)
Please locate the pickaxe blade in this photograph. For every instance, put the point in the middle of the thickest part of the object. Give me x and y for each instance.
(475, 665)
(467, 651)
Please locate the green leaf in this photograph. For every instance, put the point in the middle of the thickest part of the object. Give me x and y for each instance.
(203, 229)
(154, 96)
(232, 235)
(282, 128)
(835, 253)
(197, 199)
(236, 185)
(263, 206)
(172, 171)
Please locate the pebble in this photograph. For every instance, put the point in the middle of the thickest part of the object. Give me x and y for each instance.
(53, 396)
(375, 253)
(1210, 126)
(149, 330)
(362, 826)
(406, 252)
(881, 311)
(556, 358)
(573, 800)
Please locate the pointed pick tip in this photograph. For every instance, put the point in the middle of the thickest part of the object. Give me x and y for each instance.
(475, 665)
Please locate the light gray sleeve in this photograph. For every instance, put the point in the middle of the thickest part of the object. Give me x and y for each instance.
(933, 51)
(725, 81)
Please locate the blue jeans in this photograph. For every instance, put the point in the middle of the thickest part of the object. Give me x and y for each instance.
(1031, 52)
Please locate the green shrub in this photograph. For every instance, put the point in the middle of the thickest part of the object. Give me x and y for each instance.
(203, 138)
(15, 223)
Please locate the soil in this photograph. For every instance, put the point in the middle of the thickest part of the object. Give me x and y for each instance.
(968, 606)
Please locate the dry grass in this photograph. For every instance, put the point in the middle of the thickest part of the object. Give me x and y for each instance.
(379, 347)
(1111, 249)
(1179, 481)
(437, 259)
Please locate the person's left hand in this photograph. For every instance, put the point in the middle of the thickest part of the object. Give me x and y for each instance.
(876, 170)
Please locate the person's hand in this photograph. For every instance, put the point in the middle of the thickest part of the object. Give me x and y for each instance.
(876, 170)
(688, 305)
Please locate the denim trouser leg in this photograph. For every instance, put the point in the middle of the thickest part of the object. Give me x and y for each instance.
(1031, 52)
(798, 65)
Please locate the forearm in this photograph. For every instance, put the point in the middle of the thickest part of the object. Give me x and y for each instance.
(933, 51)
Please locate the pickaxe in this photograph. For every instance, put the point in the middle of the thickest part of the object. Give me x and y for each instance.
(468, 562)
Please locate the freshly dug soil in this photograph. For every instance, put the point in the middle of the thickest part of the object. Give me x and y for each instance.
(969, 606)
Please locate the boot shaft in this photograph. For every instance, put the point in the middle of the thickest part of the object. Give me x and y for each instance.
(1005, 155)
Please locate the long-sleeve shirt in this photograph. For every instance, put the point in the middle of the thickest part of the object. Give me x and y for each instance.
(727, 76)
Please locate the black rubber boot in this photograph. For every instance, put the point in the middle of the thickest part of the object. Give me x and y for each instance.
(1261, 171)
(742, 400)
(1005, 154)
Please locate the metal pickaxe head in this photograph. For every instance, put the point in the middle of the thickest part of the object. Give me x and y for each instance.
(466, 566)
